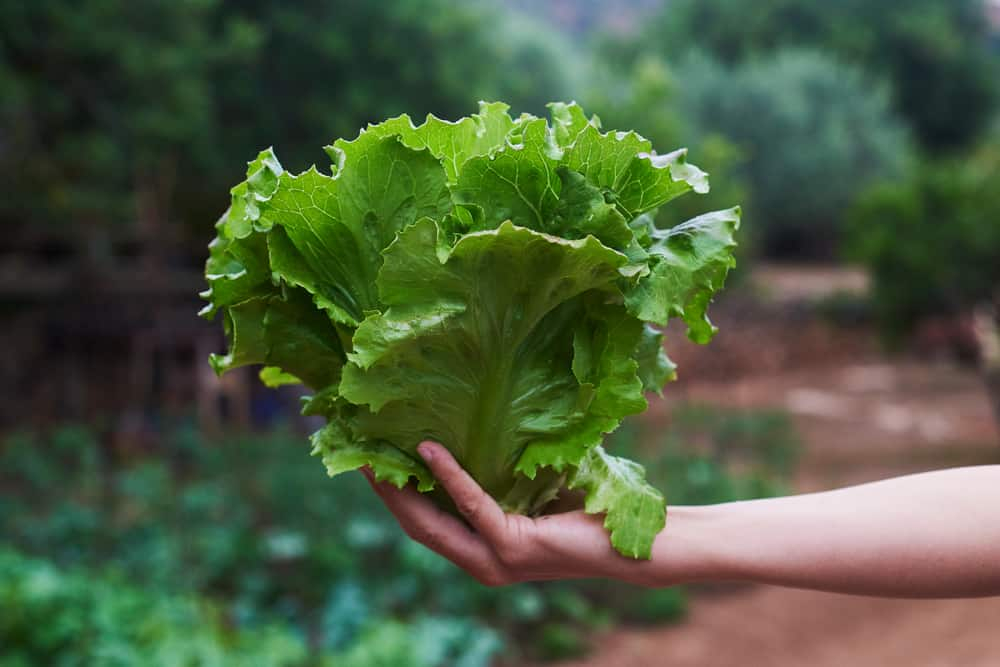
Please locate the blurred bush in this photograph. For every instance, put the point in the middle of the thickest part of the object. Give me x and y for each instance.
(932, 241)
(254, 524)
(813, 134)
(934, 54)
(54, 617)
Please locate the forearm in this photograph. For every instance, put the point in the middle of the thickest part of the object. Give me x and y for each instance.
(930, 535)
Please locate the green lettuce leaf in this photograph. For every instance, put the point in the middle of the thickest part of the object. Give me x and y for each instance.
(655, 367)
(529, 184)
(286, 333)
(341, 452)
(517, 184)
(451, 143)
(603, 345)
(624, 165)
(634, 511)
(689, 264)
(274, 377)
(237, 267)
(568, 120)
(336, 227)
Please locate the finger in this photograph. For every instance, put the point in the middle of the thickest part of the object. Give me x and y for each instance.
(481, 511)
(438, 531)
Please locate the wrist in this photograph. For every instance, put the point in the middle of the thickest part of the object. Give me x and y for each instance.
(692, 546)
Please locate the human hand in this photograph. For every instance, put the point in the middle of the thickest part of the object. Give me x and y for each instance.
(498, 548)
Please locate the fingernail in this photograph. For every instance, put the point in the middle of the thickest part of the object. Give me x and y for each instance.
(426, 451)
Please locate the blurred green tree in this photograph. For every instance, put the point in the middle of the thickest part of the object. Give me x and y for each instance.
(108, 106)
(934, 53)
(115, 112)
(813, 133)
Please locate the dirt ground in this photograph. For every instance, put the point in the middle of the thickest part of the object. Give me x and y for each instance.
(774, 627)
(861, 418)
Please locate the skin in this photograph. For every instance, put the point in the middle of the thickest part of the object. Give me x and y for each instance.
(934, 534)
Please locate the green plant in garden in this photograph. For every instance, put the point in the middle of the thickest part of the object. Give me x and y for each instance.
(486, 283)
(244, 521)
(53, 617)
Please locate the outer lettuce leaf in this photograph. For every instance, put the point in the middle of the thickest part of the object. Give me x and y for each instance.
(342, 452)
(451, 143)
(518, 183)
(603, 345)
(237, 266)
(274, 377)
(583, 210)
(634, 511)
(236, 270)
(337, 226)
(284, 332)
(623, 164)
(655, 368)
(690, 263)
(530, 185)
(568, 120)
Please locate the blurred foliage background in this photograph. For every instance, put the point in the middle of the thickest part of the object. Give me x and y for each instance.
(151, 514)
(239, 550)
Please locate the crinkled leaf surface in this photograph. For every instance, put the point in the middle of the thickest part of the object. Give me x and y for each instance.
(237, 266)
(341, 452)
(568, 120)
(338, 226)
(488, 367)
(655, 367)
(689, 264)
(284, 332)
(623, 164)
(603, 345)
(453, 143)
(518, 183)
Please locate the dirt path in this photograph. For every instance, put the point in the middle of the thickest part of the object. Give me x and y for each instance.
(860, 423)
(776, 627)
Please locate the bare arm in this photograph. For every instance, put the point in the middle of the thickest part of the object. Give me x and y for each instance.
(935, 534)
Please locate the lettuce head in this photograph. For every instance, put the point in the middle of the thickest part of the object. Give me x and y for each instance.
(492, 284)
